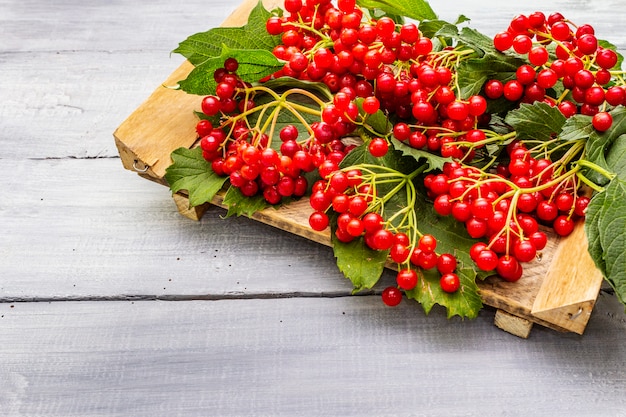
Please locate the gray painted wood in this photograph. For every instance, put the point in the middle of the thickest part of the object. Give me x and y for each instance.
(272, 328)
(88, 228)
(311, 357)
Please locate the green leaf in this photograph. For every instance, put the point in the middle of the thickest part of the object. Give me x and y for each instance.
(537, 121)
(360, 264)
(473, 73)
(435, 162)
(254, 64)
(413, 9)
(378, 13)
(480, 43)
(577, 127)
(616, 157)
(466, 302)
(200, 47)
(430, 27)
(462, 19)
(451, 238)
(238, 204)
(599, 145)
(605, 225)
(192, 173)
(375, 123)
(393, 159)
(284, 83)
(593, 218)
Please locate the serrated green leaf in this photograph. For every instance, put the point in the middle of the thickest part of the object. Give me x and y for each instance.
(393, 159)
(429, 28)
(451, 238)
(377, 123)
(435, 162)
(576, 127)
(360, 264)
(254, 64)
(465, 302)
(412, 9)
(378, 13)
(450, 234)
(462, 19)
(192, 173)
(476, 40)
(593, 217)
(238, 204)
(469, 37)
(600, 144)
(537, 121)
(200, 47)
(605, 226)
(473, 73)
(616, 157)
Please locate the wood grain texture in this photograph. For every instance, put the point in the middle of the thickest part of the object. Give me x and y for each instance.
(268, 335)
(73, 71)
(116, 235)
(572, 272)
(513, 324)
(297, 357)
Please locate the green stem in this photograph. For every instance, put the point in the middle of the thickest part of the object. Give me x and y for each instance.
(590, 183)
(588, 164)
(305, 93)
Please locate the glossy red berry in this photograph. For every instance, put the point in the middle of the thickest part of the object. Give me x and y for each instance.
(378, 147)
(318, 221)
(450, 282)
(406, 279)
(392, 296)
(446, 263)
(602, 121)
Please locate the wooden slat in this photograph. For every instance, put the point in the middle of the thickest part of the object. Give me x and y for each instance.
(345, 356)
(87, 228)
(76, 225)
(513, 324)
(28, 26)
(578, 284)
(571, 285)
(73, 71)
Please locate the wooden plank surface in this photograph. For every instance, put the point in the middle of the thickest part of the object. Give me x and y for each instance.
(296, 357)
(267, 334)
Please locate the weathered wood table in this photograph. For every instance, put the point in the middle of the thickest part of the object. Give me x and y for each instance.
(113, 304)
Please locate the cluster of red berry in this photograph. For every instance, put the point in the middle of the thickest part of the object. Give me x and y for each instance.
(354, 200)
(394, 68)
(506, 208)
(391, 67)
(581, 64)
(243, 153)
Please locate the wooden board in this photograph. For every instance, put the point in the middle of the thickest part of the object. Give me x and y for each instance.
(557, 291)
(342, 356)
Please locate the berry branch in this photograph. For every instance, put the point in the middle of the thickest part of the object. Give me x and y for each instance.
(505, 136)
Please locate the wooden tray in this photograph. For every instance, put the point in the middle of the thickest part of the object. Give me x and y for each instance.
(559, 291)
